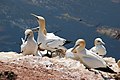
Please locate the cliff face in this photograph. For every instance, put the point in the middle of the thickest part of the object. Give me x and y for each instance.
(34, 67)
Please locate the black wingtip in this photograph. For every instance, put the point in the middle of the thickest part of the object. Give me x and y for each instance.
(67, 42)
(20, 52)
(107, 69)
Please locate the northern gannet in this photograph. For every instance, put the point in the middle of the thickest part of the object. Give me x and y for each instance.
(99, 47)
(89, 58)
(29, 46)
(48, 41)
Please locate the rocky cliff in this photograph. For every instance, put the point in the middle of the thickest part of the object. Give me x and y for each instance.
(18, 67)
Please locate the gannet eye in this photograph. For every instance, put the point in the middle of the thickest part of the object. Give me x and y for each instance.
(98, 41)
(28, 35)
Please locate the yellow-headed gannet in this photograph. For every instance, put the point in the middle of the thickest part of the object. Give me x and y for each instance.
(48, 41)
(29, 45)
(89, 58)
(99, 47)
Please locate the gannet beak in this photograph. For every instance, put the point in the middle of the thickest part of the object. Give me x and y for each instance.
(103, 43)
(35, 29)
(35, 16)
(26, 37)
(74, 48)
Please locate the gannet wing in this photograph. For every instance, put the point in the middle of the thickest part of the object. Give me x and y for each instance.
(54, 43)
(23, 47)
(93, 62)
(53, 36)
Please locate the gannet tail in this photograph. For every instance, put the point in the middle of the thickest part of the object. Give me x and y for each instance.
(67, 42)
(107, 69)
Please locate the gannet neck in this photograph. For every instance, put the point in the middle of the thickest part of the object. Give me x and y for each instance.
(45, 31)
(31, 37)
(74, 51)
(80, 49)
(41, 36)
(41, 33)
(42, 26)
(41, 22)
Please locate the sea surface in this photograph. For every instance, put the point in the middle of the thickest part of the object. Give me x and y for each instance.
(72, 19)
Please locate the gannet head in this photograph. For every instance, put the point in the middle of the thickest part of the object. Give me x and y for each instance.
(80, 44)
(98, 41)
(38, 17)
(28, 34)
(41, 22)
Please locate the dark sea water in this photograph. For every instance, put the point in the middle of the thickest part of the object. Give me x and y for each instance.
(74, 18)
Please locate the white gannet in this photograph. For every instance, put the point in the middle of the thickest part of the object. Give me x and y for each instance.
(29, 45)
(48, 41)
(89, 58)
(99, 47)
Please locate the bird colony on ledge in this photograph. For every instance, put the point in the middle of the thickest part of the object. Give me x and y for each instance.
(50, 45)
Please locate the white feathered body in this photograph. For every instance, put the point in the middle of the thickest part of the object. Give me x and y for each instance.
(99, 49)
(29, 47)
(69, 54)
(50, 41)
(91, 59)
